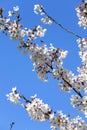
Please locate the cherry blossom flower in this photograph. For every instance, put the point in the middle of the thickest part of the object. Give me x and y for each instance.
(14, 96)
(10, 13)
(16, 8)
(14, 31)
(38, 110)
(46, 20)
(82, 14)
(40, 32)
(37, 8)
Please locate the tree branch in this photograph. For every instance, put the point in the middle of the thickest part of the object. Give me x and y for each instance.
(11, 125)
(68, 83)
(25, 99)
(60, 25)
(72, 87)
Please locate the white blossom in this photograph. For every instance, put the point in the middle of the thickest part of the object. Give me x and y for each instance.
(82, 14)
(10, 13)
(65, 123)
(38, 110)
(40, 32)
(37, 8)
(16, 8)
(13, 96)
(46, 20)
(79, 103)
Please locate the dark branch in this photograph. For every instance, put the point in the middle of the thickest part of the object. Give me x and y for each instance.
(25, 99)
(60, 25)
(72, 87)
(11, 125)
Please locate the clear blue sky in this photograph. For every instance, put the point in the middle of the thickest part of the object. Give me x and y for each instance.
(16, 69)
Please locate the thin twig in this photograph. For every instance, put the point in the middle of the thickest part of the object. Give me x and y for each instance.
(25, 99)
(11, 125)
(60, 25)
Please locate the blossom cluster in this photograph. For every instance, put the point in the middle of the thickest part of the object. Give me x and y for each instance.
(79, 103)
(64, 122)
(81, 79)
(40, 111)
(49, 60)
(66, 78)
(38, 9)
(82, 14)
(46, 59)
(14, 96)
(35, 108)
(15, 30)
(82, 44)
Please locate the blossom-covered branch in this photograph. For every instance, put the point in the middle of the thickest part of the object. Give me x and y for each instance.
(47, 19)
(45, 60)
(39, 111)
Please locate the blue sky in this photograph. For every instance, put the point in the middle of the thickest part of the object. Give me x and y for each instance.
(16, 69)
